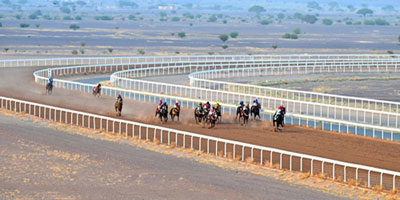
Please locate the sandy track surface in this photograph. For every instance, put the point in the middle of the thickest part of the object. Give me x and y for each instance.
(19, 83)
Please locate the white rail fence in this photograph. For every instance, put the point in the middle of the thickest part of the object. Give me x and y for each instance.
(300, 119)
(371, 176)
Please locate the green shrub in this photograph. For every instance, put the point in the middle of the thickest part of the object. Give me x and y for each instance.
(290, 36)
(132, 17)
(65, 10)
(175, 19)
(67, 18)
(37, 25)
(23, 25)
(310, 19)
(74, 27)
(78, 17)
(110, 50)
(74, 52)
(223, 37)
(234, 34)
(47, 17)
(104, 17)
(274, 46)
(224, 46)
(181, 34)
(381, 22)
(141, 51)
(297, 31)
(369, 22)
(327, 22)
(265, 22)
(212, 18)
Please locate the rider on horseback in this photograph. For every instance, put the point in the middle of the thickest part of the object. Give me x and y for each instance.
(283, 112)
(212, 111)
(207, 105)
(256, 104)
(177, 106)
(119, 99)
(51, 81)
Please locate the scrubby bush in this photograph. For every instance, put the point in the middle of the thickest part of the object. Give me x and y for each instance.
(234, 34)
(289, 36)
(83, 44)
(265, 22)
(74, 52)
(297, 31)
(369, 22)
(18, 16)
(37, 25)
(132, 17)
(365, 11)
(224, 46)
(47, 17)
(297, 15)
(82, 51)
(188, 15)
(74, 27)
(141, 51)
(224, 21)
(65, 10)
(110, 50)
(175, 19)
(274, 46)
(33, 16)
(181, 34)
(210, 53)
(223, 37)
(104, 17)
(381, 22)
(1, 25)
(212, 18)
(327, 22)
(281, 16)
(257, 9)
(310, 19)
(67, 18)
(24, 25)
(78, 17)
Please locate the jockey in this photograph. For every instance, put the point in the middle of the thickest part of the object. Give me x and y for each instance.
(99, 86)
(247, 106)
(283, 109)
(207, 105)
(199, 105)
(241, 104)
(177, 106)
(217, 106)
(165, 105)
(160, 103)
(212, 111)
(119, 98)
(51, 80)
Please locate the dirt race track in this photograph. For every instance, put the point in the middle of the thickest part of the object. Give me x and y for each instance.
(19, 83)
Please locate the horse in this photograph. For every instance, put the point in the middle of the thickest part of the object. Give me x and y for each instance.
(97, 91)
(244, 114)
(118, 107)
(162, 113)
(49, 88)
(174, 112)
(277, 120)
(218, 112)
(198, 115)
(255, 111)
(211, 119)
(238, 111)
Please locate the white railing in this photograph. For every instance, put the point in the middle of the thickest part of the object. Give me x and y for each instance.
(300, 119)
(227, 148)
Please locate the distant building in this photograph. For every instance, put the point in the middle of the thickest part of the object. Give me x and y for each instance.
(170, 7)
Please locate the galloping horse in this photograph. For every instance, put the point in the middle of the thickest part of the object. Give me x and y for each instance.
(211, 119)
(255, 111)
(174, 112)
(162, 113)
(277, 120)
(198, 114)
(49, 88)
(238, 111)
(97, 90)
(118, 107)
(218, 113)
(244, 114)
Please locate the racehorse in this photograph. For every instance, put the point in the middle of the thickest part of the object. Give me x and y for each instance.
(97, 90)
(211, 119)
(255, 111)
(49, 88)
(238, 111)
(118, 107)
(162, 113)
(244, 114)
(174, 112)
(218, 113)
(277, 120)
(198, 115)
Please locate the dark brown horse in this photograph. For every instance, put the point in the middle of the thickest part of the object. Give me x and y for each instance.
(118, 107)
(49, 88)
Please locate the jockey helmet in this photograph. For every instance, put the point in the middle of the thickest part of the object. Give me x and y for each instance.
(160, 101)
(217, 104)
(208, 102)
(119, 95)
(256, 100)
(241, 103)
(165, 103)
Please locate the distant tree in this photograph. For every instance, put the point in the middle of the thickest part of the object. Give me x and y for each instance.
(297, 15)
(132, 17)
(104, 17)
(224, 46)
(290, 36)
(83, 44)
(234, 34)
(82, 51)
(181, 34)
(33, 16)
(351, 8)
(78, 17)
(65, 10)
(74, 27)
(23, 25)
(212, 18)
(110, 50)
(188, 15)
(388, 8)
(37, 25)
(257, 9)
(313, 5)
(224, 21)
(18, 16)
(47, 17)
(163, 14)
(281, 16)
(265, 22)
(310, 19)
(81, 3)
(74, 52)
(67, 18)
(175, 19)
(327, 22)
(127, 3)
(381, 22)
(223, 37)
(274, 46)
(297, 31)
(365, 11)
(369, 22)
(210, 53)
(333, 5)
